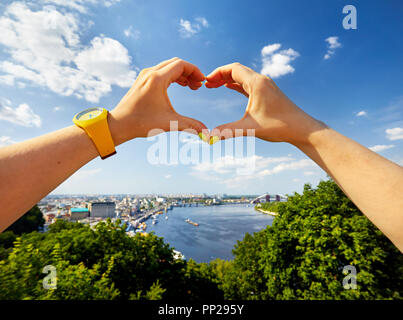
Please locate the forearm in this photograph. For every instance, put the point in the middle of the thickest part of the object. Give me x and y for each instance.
(372, 182)
(31, 169)
(364, 176)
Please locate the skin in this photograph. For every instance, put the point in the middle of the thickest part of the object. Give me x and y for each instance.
(372, 182)
(30, 170)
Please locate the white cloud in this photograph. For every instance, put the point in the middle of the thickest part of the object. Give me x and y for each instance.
(294, 165)
(132, 33)
(83, 174)
(362, 113)
(225, 170)
(45, 50)
(168, 176)
(309, 173)
(203, 21)
(277, 63)
(57, 108)
(111, 66)
(381, 147)
(108, 3)
(190, 138)
(188, 29)
(230, 164)
(332, 44)
(80, 5)
(394, 134)
(5, 141)
(23, 115)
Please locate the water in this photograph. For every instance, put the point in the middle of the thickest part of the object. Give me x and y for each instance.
(219, 229)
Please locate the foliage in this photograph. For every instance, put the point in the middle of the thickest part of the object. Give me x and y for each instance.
(270, 206)
(302, 255)
(7, 239)
(100, 263)
(30, 221)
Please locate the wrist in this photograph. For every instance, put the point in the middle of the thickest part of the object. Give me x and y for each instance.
(310, 133)
(117, 128)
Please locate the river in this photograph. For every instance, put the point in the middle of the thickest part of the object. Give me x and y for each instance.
(219, 229)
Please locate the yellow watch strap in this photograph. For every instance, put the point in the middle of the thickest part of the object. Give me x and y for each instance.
(101, 136)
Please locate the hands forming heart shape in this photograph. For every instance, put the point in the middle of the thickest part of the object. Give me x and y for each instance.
(272, 115)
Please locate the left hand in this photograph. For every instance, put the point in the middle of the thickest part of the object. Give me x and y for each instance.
(146, 105)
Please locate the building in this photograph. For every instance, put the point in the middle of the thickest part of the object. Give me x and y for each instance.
(102, 209)
(49, 217)
(160, 199)
(79, 213)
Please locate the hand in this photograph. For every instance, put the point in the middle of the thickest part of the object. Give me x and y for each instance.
(269, 111)
(146, 105)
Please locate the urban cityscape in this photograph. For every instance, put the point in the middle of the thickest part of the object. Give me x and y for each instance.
(135, 210)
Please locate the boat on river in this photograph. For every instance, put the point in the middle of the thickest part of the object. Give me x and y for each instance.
(192, 222)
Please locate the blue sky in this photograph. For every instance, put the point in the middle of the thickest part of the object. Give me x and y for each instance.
(60, 57)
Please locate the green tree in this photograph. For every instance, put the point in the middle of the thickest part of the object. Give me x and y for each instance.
(100, 263)
(302, 255)
(7, 239)
(30, 221)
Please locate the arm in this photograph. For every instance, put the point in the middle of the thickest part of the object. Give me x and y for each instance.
(358, 171)
(30, 170)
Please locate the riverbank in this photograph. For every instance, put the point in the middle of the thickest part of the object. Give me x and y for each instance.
(267, 212)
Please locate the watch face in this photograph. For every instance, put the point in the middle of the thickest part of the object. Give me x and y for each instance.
(89, 114)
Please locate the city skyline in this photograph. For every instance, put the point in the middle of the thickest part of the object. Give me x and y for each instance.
(350, 79)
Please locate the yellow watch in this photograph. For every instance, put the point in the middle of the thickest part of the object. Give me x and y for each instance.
(94, 121)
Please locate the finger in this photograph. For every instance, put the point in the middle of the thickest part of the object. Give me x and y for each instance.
(229, 130)
(145, 71)
(164, 63)
(183, 81)
(214, 84)
(237, 87)
(191, 125)
(183, 84)
(195, 85)
(234, 72)
(174, 70)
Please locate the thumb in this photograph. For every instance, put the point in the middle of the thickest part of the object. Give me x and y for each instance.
(229, 130)
(193, 126)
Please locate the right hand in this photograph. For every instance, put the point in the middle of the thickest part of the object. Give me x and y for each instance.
(269, 111)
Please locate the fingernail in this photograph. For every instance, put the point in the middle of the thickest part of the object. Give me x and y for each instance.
(202, 136)
(214, 139)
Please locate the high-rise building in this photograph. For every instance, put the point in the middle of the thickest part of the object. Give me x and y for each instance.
(102, 209)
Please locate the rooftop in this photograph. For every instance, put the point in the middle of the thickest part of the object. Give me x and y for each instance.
(79, 209)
